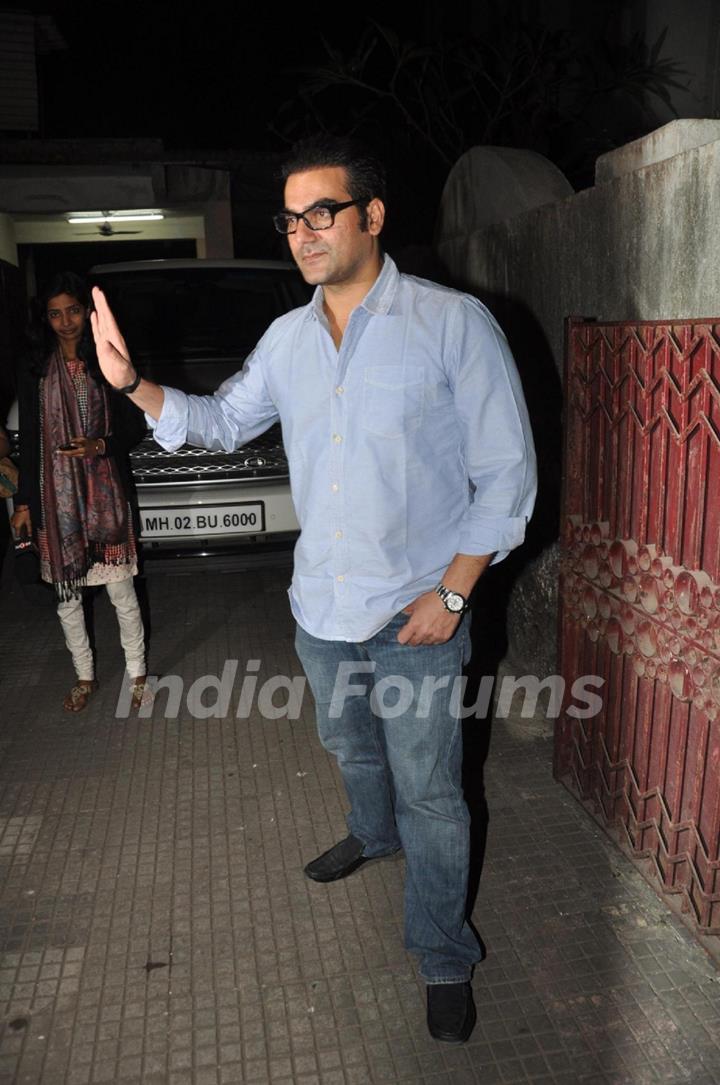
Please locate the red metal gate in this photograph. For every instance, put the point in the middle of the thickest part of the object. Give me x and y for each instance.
(640, 596)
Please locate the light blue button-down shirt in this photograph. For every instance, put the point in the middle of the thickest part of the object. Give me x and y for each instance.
(407, 446)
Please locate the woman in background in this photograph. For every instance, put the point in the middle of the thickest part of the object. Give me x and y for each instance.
(73, 487)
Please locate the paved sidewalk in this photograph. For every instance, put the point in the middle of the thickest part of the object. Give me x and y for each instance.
(156, 926)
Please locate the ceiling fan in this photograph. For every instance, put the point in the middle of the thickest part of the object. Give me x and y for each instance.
(107, 230)
(107, 221)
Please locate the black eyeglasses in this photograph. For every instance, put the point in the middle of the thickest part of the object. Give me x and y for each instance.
(319, 217)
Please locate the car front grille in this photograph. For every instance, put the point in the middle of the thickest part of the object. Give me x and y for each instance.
(262, 458)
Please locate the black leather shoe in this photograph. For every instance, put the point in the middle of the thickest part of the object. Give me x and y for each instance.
(338, 861)
(450, 1012)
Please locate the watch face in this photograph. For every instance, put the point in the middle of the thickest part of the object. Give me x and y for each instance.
(454, 602)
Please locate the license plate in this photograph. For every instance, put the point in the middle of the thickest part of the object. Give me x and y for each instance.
(160, 523)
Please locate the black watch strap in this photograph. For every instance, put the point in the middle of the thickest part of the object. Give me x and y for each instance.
(129, 388)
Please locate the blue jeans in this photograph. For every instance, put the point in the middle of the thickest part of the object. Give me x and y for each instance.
(398, 744)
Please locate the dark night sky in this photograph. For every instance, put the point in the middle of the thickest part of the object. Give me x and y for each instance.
(202, 75)
(215, 75)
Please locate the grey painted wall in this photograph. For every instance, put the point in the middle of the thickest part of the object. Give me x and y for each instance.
(645, 245)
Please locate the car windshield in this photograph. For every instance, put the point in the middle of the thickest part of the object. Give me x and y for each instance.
(201, 313)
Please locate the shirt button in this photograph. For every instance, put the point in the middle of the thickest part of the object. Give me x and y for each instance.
(341, 578)
(334, 487)
(337, 438)
(338, 534)
(339, 390)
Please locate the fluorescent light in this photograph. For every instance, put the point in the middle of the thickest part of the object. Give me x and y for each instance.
(120, 216)
(137, 216)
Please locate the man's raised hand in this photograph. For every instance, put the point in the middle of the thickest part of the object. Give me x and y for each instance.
(114, 359)
(112, 350)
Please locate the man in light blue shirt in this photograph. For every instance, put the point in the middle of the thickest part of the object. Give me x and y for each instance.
(412, 469)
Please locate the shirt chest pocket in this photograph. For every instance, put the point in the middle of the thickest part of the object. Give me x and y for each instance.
(393, 399)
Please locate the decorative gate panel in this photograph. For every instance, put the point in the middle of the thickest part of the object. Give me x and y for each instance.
(640, 595)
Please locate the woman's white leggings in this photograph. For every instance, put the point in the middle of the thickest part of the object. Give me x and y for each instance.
(132, 636)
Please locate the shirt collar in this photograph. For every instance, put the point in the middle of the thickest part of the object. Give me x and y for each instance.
(377, 300)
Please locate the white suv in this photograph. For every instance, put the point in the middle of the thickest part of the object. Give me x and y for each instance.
(191, 324)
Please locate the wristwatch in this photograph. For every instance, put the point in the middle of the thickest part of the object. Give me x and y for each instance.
(452, 600)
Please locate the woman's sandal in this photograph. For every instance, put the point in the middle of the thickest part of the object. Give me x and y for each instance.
(79, 695)
(140, 692)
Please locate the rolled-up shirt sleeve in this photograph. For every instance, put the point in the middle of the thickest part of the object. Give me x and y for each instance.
(170, 429)
(238, 411)
(497, 438)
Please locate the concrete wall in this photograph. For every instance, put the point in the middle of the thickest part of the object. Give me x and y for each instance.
(217, 243)
(644, 245)
(8, 246)
(641, 245)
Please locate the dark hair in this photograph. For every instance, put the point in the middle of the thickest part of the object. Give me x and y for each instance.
(65, 282)
(41, 335)
(365, 173)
